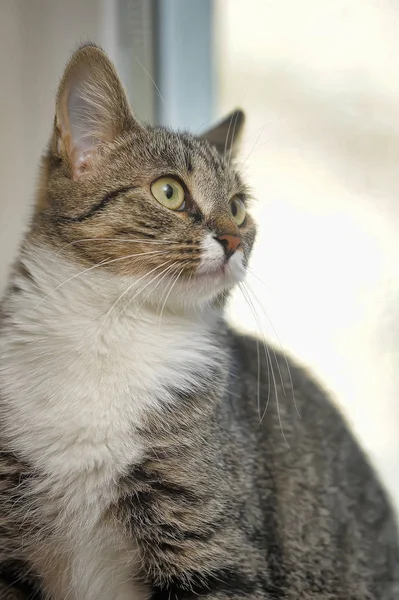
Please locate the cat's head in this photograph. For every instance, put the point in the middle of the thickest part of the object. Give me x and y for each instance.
(167, 209)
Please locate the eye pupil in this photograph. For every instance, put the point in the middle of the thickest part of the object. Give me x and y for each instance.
(234, 209)
(168, 191)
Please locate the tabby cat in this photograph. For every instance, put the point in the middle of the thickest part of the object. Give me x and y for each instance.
(135, 462)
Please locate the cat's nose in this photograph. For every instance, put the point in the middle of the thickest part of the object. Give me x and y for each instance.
(230, 243)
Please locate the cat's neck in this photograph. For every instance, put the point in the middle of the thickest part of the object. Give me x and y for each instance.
(72, 364)
(48, 285)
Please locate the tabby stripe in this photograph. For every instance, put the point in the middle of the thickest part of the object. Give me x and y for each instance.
(16, 575)
(99, 206)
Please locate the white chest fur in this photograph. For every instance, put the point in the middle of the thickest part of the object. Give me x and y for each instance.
(73, 388)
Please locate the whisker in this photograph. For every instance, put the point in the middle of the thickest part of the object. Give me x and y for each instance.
(258, 364)
(258, 378)
(200, 127)
(232, 137)
(251, 272)
(102, 263)
(273, 377)
(248, 290)
(152, 80)
(227, 137)
(168, 294)
(164, 272)
(282, 349)
(256, 143)
(127, 290)
(266, 351)
(273, 350)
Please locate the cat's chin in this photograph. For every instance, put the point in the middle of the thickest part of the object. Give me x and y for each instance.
(221, 278)
(200, 290)
(210, 283)
(192, 290)
(220, 270)
(214, 274)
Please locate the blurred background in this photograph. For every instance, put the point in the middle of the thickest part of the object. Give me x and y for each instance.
(319, 82)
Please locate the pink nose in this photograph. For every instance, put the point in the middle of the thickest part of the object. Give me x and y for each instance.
(230, 243)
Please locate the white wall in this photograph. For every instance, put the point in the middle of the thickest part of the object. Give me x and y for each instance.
(320, 83)
(37, 36)
(36, 39)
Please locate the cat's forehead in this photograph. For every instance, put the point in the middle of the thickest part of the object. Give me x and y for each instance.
(189, 157)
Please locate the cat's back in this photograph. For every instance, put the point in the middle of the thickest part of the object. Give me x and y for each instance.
(324, 511)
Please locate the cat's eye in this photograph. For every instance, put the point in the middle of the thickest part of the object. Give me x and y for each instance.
(169, 193)
(237, 210)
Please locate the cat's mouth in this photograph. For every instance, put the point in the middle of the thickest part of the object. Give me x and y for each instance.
(219, 268)
(227, 273)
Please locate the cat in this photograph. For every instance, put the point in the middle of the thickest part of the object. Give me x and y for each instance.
(148, 450)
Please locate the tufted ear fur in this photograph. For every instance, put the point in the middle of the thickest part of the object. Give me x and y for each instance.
(226, 135)
(92, 109)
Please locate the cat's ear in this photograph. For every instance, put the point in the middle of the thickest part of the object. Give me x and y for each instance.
(92, 109)
(226, 135)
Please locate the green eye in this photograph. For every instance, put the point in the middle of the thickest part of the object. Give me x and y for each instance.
(168, 192)
(237, 210)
